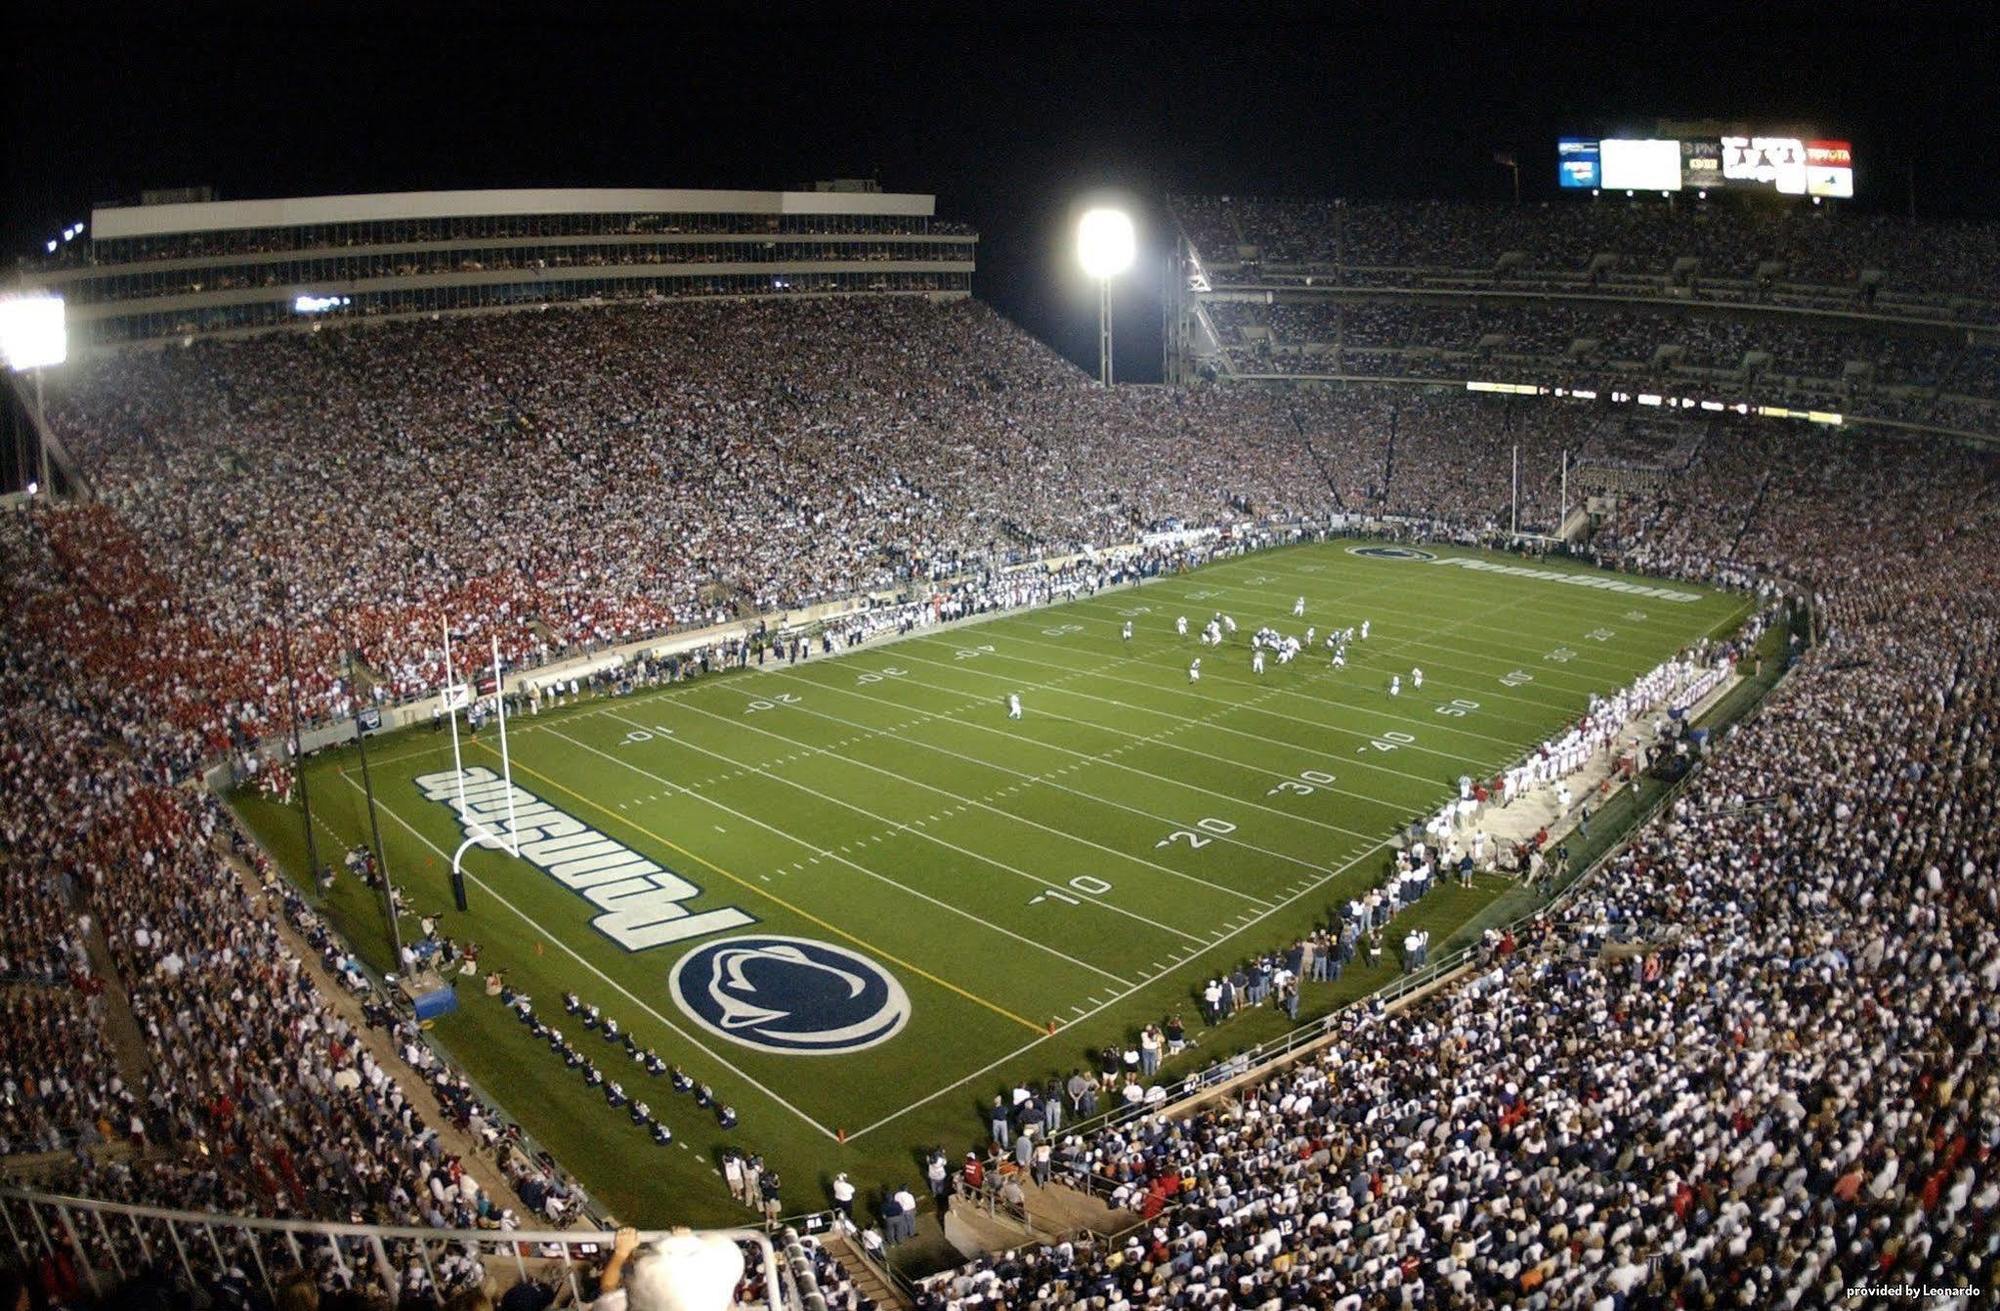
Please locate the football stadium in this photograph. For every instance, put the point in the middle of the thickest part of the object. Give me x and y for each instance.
(749, 744)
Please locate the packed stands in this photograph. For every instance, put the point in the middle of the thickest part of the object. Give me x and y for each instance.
(1868, 317)
(1791, 1091)
(1750, 1065)
(584, 477)
(258, 1095)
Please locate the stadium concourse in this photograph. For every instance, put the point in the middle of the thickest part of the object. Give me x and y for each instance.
(1779, 1089)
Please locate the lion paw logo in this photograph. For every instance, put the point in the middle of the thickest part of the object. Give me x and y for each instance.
(790, 995)
(1391, 553)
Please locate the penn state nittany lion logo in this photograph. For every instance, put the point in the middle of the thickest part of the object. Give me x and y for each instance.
(1391, 552)
(790, 995)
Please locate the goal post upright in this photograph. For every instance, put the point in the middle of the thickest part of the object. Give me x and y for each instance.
(476, 830)
(506, 764)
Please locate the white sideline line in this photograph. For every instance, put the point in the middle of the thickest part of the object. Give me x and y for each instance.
(616, 986)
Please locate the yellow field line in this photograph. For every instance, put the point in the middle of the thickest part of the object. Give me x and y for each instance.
(768, 895)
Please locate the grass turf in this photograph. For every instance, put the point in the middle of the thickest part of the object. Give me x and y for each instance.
(1090, 865)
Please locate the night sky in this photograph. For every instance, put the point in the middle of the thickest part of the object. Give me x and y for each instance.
(1008, 122)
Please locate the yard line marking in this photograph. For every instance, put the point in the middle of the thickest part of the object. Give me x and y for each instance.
(1029, 1046)
(1368, 658)
(1192, 720)
(859, 868)
(801, 912)
(950, 846)
(1168, 687)
(1597, 616)
(616, 986)
(1102, 757)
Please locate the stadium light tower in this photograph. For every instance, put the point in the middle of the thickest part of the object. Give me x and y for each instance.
(33, 337)
(1105, 246)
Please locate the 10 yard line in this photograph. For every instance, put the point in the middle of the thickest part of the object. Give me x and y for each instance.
(617, 986)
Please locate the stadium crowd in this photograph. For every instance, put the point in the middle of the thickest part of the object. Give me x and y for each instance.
(254, 1093)
(1750, 1065)
(1814, 246)
(1827, 364)
(1701, 299)
(1778, 1083)
(567, 480)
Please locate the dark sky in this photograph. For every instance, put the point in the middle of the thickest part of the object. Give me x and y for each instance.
(1007, 121)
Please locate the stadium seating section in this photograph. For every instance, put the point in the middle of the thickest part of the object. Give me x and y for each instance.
(1865, 316)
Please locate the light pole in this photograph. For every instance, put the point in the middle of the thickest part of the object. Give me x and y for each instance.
(33, 336)
(1105, 246)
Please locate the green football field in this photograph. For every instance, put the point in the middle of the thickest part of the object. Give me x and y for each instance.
(855, 897)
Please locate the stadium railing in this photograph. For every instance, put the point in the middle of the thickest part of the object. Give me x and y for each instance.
(110, 1242)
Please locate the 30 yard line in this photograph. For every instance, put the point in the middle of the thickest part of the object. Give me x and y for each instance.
(1155, 739)
(1099, 758)
(1218, 726)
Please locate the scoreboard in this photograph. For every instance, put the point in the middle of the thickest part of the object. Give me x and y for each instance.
(1788, 166)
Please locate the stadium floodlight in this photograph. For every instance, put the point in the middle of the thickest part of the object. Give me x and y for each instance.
(32, 332)
(1106, 246)
(32, 338)
(1105, 243)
